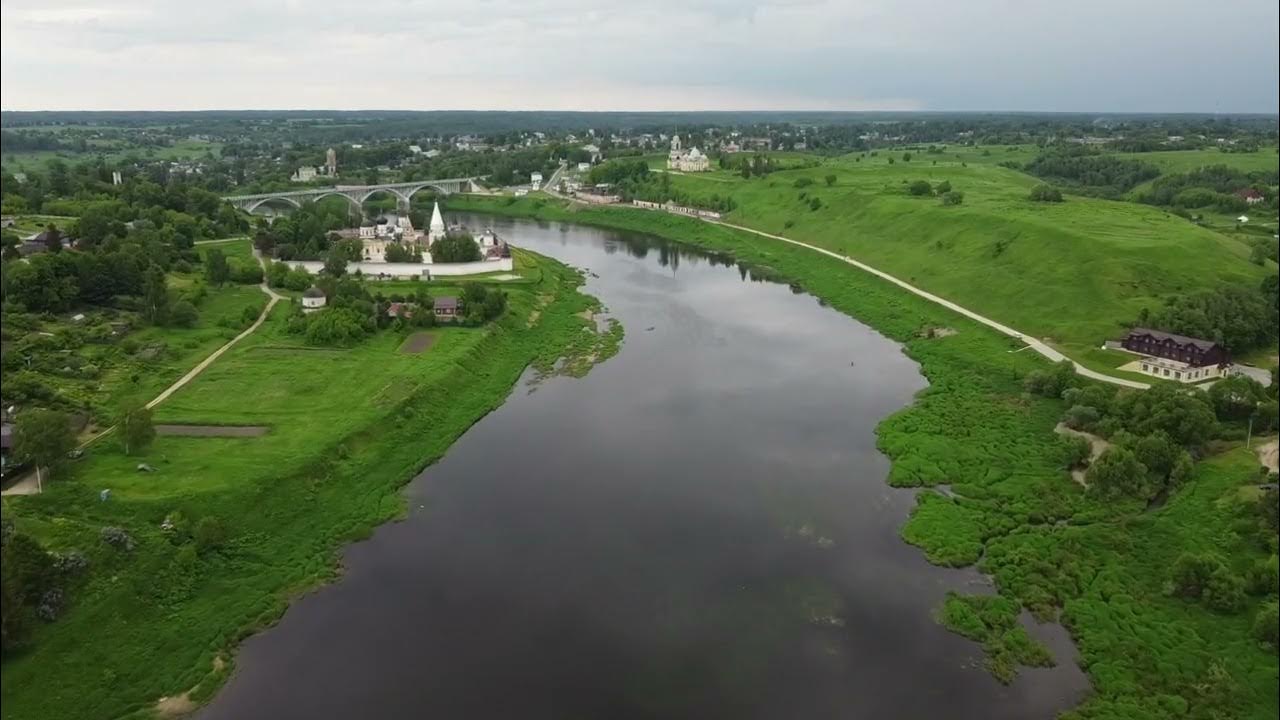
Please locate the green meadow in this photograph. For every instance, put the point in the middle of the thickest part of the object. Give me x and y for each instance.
(186, 149)
(1075, 273)
(347, 429)
(1101, 568)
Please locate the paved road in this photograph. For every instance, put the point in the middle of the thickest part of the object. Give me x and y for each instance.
(26, 485)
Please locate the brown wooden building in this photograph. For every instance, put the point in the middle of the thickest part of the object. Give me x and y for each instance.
(1177, 357)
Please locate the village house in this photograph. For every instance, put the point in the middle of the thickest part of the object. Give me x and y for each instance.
(445, 308)
(304, 174)
(401, 310)
(313, 299)
(535, 179)
(597, 195)
(1250, 196)
(1176, 357)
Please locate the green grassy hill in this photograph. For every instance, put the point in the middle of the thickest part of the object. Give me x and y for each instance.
(1075, 272)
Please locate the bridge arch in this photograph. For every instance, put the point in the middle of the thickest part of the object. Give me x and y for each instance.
(410, 192)
(257, 203)
(334, 193)
(401, 198)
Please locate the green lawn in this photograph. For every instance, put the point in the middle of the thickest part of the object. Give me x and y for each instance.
(1181, 161)
(347, 428)
(1075, 272)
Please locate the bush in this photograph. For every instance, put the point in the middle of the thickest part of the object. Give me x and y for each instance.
(1075, 451)
(1224, 591)
(830, 180)
(183, 314)
(803, 182)
(117, 538)
(920, 187)
(953, 198)
(1191, 572)
(1264, 576)
(1117, 473)
(943, 187)
(210, 534)
(1045, 193)
(1051, 383)
(1266, 625)
(1081, 417)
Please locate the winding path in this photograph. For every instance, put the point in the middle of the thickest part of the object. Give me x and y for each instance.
(28, 485)
(274, 296)
(1038, 345)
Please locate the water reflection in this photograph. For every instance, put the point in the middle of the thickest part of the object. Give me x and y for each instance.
(699, 528)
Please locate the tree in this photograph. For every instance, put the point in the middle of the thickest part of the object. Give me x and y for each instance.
(1045, 193)
(1051, 383)
(183, 314)
(43, 438)
(455, 248)
(155, 293)
(27, 571)
(1075, 451)
(1191, 573)
(216, 269)
(920, 187)
(1236, 397)
(1081, 417)
(136, 429)
(1183, 413)
(53, 238)
(1117, 473)
(335, 263)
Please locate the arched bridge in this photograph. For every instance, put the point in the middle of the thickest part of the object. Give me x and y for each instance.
(356, 194)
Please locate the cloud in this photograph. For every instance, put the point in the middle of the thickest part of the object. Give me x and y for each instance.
(1122, 55)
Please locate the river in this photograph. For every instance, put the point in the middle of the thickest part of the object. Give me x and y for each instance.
(700, 528)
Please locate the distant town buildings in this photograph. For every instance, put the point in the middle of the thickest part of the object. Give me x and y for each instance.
(691, 160)
(305, 173)
(535, 180)
(331, 162)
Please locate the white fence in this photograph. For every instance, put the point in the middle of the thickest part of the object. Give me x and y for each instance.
(400, 271)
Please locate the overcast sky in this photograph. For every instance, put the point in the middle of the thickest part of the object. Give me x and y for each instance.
(1087, 55)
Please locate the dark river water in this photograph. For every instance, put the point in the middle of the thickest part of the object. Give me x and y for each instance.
(700, 528)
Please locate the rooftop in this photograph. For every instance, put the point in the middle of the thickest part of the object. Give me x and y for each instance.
(1179, 339)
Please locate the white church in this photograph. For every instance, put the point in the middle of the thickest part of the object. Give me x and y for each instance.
(375, 238)
(691, 160)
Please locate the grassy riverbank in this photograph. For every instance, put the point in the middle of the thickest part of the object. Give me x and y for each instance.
(348, 427)
(1101, 567)
(1075, 273)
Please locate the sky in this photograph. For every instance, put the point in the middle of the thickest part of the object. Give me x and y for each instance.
(1028, 55)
